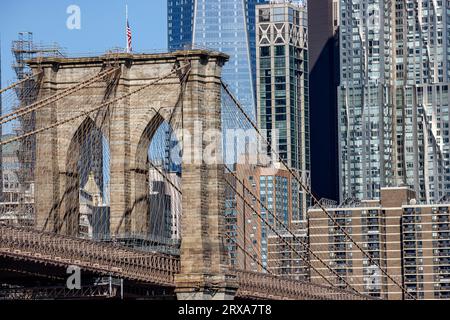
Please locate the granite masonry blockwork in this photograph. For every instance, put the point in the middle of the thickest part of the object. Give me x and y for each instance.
(129, 125)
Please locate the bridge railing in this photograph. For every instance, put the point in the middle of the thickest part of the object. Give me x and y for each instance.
(258, 285)
(153, 268)
(103, 258)
(59, 293)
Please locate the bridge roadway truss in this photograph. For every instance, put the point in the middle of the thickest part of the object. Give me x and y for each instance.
(59, 293)
(106, 259)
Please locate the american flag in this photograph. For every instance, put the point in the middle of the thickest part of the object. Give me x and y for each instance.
(129, 38)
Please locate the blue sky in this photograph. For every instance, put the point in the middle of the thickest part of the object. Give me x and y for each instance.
(102, 25)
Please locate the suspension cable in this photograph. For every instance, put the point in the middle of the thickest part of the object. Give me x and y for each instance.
(54, 98)
(88, 112)
(20, 82)
(305, 188)
(294, 236)
(250, 255)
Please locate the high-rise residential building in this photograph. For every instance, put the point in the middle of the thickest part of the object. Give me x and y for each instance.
(224, 25)
(421, 77)
(365, 108)
(243, 225)
(408, 239)
(426, 249)
(283, 116)
(323, 36)
(394, 98)
(251, 224)
(279, 193)
(282, 84)
(375, 229)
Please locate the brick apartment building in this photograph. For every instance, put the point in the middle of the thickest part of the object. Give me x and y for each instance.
(409, 240)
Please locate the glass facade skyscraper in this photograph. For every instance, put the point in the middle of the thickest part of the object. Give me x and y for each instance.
(180, 15)
(283, 114)
(282, 84)
(421, 98)
(365, 109)
(224, 25)
(393, 97)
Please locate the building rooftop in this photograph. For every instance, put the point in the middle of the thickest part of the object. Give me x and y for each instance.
(353, 203)
(123, 57)
(298, 3)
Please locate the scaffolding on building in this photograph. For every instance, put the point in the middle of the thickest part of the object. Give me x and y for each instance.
(23, 50)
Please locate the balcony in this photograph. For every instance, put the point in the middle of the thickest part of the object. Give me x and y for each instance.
(409, 237)
(443, 219)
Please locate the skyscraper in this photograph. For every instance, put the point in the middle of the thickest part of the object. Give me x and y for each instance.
(224, 25)
(393, 97)
(282, 83)
(421, 76)
(365, 111)
(283, 114)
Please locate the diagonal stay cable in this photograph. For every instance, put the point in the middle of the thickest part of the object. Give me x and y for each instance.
(304, 245)
(183, 79)
(178, 190)
(20, 82)
(54, 98)
(86, 113)
(250, 255)
(165, 177)
(304, 187)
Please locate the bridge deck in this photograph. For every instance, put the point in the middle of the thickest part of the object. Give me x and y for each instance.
(149, 267)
